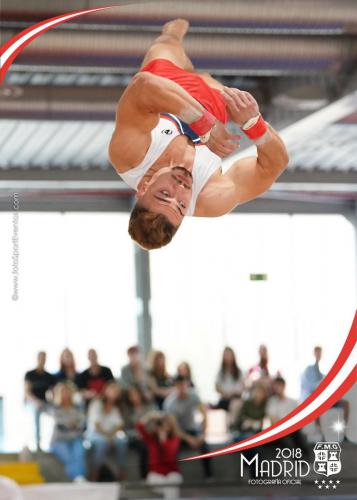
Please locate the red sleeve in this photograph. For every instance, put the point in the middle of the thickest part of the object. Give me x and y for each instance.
(143, 432)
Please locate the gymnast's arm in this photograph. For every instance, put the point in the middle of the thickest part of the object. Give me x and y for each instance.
(247, 179)
(147, 96)
(138, 112)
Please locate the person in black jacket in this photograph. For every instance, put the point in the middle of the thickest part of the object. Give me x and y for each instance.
(37, 383)
(92, 381)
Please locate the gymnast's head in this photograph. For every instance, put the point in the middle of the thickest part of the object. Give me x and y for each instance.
(162, 203)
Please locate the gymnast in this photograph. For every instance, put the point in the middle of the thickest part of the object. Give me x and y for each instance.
(170, 136)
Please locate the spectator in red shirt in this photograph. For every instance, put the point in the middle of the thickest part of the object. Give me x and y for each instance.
(163, 438)
(92, 381)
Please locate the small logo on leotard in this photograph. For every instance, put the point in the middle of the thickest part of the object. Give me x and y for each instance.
(167, 131)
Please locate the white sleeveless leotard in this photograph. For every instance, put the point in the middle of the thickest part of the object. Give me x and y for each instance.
(205, 162)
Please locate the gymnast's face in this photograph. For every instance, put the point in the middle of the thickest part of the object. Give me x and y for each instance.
(168, 192)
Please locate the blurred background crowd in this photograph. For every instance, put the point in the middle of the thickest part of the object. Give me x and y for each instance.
(154, 412)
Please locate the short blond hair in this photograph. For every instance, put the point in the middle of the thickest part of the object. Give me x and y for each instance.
(57, 391)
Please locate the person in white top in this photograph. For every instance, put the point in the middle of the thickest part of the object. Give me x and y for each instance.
(279, 405)
(170, 136)
(104, 429)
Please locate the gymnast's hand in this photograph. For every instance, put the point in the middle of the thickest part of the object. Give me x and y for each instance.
(241, 105)
(222, 142)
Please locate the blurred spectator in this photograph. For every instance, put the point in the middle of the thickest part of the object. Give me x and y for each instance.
(67, 438)
(93, 380)
(229, 380)
(183, 403)
(184, 369)
(161, 435)
(37, 383)
(249, 419)
(134, 372)
(105, 423)
(67, 371)
(134, 409)
(261, 369)
(160, 382)
(279, 405)
(311, 376)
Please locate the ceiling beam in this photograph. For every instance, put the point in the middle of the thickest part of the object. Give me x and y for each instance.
(301, 177)
(104, 203)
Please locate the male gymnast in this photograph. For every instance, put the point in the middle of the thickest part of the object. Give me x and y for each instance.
(170, 136)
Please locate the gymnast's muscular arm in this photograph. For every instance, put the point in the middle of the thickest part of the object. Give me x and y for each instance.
(137, 113)
(247, 179)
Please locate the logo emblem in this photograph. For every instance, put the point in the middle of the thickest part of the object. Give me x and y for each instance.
(327, 458)
(167, 131)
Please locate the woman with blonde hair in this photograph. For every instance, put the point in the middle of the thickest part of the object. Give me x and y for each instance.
(160, 382)
(105, 429)
(229, 380)
(67, 371)
(67, 438)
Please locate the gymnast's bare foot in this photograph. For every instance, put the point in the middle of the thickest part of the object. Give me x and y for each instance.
(176, 28)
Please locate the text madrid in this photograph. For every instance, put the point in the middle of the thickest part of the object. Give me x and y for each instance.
(275, 468)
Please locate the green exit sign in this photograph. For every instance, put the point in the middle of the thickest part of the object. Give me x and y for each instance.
(258, 277)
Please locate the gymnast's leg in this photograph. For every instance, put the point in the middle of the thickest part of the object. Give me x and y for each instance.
(169, 45)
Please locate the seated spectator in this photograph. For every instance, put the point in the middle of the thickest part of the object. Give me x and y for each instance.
(249, 419)
(134, 373)
(161, 435)
(160, 382)
(135, 408)
(279, 405)
(67, 371)
(183, 403)
(184, 370)
(104, 431)
(67, 438)
(229, 380)
(311, 376)
(37, 383)
(93, 380)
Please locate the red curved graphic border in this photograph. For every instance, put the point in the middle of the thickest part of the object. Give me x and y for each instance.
(17, 37)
